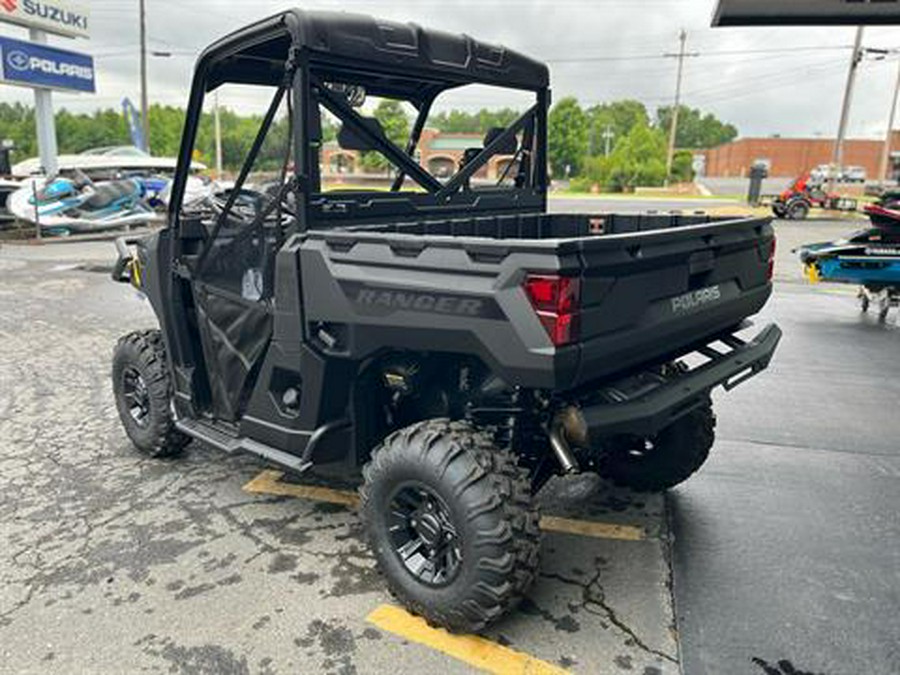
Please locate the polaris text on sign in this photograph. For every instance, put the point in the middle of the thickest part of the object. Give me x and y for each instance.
(34, 65)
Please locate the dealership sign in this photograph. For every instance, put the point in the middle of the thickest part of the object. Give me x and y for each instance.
(54, 16)
(33, 65)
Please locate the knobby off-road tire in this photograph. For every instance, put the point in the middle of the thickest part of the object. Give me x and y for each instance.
(665, 460)
(489, 518)
(798, 211)
(143, 392)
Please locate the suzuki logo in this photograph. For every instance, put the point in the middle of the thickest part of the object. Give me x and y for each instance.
(18, 60)
(9, 5)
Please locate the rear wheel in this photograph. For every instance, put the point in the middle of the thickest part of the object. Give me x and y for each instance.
(662, 461)
(778, 210)
(143, 392)
(450, 519)
(798, 210)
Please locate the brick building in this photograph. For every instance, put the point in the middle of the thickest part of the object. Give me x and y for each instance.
(793, 156)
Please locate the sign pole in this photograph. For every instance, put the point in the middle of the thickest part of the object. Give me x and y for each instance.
(43, 113)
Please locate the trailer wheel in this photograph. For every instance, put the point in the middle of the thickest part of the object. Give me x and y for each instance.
(884, 306)
(451, 521)
(663, 461)
(798, 210)
(143, 391)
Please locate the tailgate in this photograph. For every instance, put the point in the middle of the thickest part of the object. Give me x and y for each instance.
(650, 295)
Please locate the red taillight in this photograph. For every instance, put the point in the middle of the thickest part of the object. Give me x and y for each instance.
(555, 300)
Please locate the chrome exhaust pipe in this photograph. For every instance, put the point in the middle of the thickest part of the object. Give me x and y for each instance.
(557, 434)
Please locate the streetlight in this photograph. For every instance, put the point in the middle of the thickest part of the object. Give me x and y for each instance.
(161, 54)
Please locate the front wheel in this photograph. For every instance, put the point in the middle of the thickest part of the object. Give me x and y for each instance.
(664, 460)
(451, 521)
(143, 392)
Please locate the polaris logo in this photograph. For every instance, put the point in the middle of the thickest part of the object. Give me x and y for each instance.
(696, 299)
(22, 62)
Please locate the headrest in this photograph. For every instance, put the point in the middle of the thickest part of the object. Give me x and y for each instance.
(509, 147)
(348, 139)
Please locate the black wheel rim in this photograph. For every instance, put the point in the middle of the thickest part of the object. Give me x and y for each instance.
(137, 398)
(423, 535)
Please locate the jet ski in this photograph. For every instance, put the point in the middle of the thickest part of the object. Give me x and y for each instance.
(869, 258)
(64, 206)
(78, 205)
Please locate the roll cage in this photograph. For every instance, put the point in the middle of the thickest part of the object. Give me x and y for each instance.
(301, 54)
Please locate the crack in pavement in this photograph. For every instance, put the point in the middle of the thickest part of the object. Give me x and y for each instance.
(597, 598)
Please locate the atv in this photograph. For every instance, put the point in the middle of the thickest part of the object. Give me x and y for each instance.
(805, 193)
(445, 340)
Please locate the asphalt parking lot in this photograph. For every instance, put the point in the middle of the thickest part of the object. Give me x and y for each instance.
(781, 556)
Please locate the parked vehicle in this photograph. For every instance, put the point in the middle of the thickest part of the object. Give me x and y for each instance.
(853, 174)
(78, 205)
(823, 173)
(452, 342)
(805, 193)
(106, 163)
(66, 206)
(868, 257)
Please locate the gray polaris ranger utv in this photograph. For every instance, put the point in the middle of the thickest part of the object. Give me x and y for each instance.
(447, 337)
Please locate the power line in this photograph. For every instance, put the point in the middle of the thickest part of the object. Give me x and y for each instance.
(707, 54)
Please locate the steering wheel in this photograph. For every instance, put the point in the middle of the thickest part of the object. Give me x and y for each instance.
(249, 203)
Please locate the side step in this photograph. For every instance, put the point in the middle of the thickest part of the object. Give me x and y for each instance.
(221, 440)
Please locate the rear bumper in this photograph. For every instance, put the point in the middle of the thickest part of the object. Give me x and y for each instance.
(643, 407)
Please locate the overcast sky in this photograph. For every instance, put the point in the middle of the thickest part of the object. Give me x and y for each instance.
(786, 81)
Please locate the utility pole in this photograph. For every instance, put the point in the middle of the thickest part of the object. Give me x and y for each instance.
(855, 59)
(673, 126)
(889, 136)
(607, 135)
(218, 126)
(145, 120)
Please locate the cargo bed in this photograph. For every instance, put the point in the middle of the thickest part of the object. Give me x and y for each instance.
(650, 286)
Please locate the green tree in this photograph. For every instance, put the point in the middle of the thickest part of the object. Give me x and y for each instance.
(695, 129)
(639, 159)
(683, 166)
(567, 137)
(396, 127)
(616, 118)
(459, 121)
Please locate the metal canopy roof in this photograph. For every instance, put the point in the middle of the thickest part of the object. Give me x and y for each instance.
(806, 12)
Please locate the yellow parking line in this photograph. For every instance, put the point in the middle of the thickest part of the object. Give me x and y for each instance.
(471, 649)
(269, 482)
(590, 528)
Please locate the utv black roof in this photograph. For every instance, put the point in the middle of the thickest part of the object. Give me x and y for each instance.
(256, 54)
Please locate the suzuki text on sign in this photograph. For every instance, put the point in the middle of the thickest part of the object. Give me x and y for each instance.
(33, 65)
(53, 16)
